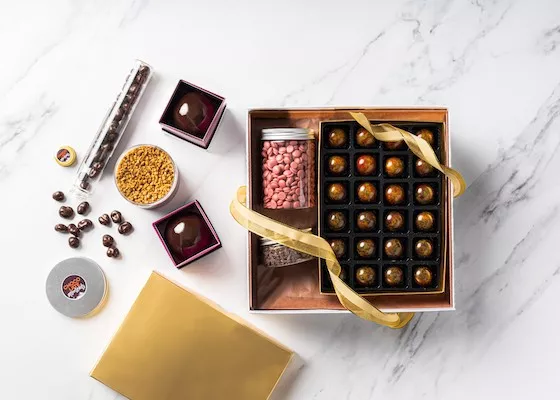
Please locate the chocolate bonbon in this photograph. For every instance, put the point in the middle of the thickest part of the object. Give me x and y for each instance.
(337, 138)
(336, 221)
(394, 166)
(85, 224)
(336, 192)
(393, 276)
(365, 248)
(364, 138)
(113, 252)
(338, 246)
(365, 276)
(366, 165)
(427, 135)
(423, 168)
(424, 221)
(393, 248)
(116, 217)
(394, 194)
(366, 221)
(61, 228)
(424, 194)
(394, 221)
(424, 248)
(288, 168)
(337, 165)
(58, 196)
(398, 145)
(367, 193)
(66, 212)
(423, 276)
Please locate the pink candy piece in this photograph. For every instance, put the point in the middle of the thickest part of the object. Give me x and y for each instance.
(276, 170)
(296, 204)
(281, 183)
(287, 204)
(290, 148)
(281, 196)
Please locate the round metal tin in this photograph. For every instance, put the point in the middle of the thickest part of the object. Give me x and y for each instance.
(76, 287)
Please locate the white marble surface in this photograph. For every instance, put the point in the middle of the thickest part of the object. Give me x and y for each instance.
(495, 64)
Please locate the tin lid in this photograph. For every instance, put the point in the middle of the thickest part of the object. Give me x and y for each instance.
(268, 242)
(65, 156)
(76, 287)
(287, 134)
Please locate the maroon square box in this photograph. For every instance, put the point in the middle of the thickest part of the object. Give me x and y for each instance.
(187, 234)
(193, 114)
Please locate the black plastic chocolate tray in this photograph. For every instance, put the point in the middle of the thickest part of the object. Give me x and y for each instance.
(351, 206)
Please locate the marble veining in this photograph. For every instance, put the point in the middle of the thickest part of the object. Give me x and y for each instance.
(494, 63)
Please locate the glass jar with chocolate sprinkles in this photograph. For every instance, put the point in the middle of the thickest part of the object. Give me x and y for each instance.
(111, 130)
(276, 255)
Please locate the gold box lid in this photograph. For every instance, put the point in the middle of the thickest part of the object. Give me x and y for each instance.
(174, 344)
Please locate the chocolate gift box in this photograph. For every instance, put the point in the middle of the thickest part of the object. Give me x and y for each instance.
(193, 114)
(174, 344)
(298, 288)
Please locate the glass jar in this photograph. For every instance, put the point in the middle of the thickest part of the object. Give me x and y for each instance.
(288, 168)
(111, 130)
(275, 255)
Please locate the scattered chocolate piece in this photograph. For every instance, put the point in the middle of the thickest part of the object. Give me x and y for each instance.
(108, 240)
(61, 228)
(105, 220)
(85, 224)
(73, 242)
(58, 196)
(116, 216)
(113, 252)
(125, 228)
(73, 229)
(84, 184)
(66, 212)
(82, 208)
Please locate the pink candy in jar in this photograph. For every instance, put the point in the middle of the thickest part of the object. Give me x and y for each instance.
(288, 160)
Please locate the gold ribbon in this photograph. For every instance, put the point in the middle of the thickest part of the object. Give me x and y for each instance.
(421, 148)
(319, 247)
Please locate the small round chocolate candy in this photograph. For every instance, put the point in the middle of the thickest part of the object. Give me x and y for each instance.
(423, 248)
(82, 208)
(394, 248)
(337, 165)
(58, 196)
(424, 194)
(105, 220)
(61, 228)
(394, 221)
(394, 166)
(365, 276)
(423, 276)
(66, 212)
(342, 274)
(366, 221)
(366, 165)
(85, 224)
(107, 240)
(425, 221)
(394, 276)
(125, 228)
(336, 192)
(74, 230)
(116, 217)
(338, 247)
(73, 242)
(367, 192)
(337, 138)
(365, 248)
(113, 252)
(84, 184)
(364, 138)
(427, 135)
(394, 194)
(399, 144)
(423, 168)
(336, 220)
